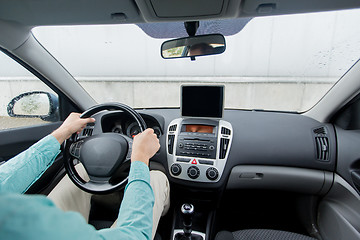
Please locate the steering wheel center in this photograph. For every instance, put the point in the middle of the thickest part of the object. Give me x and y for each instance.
(102, 154)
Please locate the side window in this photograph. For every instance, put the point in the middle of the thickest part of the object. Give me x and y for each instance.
(349, 117)
(24, 99)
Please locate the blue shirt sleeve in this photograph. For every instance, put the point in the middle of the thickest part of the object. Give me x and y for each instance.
(139, 215)
(20, 172)
(36, 217)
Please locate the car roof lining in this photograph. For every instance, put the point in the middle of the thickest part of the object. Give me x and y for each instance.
(77, 12)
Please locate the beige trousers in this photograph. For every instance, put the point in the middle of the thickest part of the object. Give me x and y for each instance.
(68, 197)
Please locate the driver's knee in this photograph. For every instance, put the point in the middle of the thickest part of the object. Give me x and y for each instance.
(68, 197)
(82, 172)
(161, 188)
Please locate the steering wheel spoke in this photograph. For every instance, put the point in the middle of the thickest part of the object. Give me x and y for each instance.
(75, 147)
(130, 142)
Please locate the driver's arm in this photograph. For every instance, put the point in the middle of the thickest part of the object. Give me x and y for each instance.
(36, 217)
(20, 172)
(136, 210)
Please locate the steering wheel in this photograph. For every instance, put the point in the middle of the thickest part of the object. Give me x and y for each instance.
(103, 155)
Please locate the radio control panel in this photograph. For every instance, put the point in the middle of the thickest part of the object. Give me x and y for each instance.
(197, 149)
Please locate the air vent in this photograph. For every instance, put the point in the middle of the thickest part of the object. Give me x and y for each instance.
(87, 132)
(322, 148)
(322, 143)
(172, 128)
(171, 143)
(225, 131)
(320, 130)
(224, 145)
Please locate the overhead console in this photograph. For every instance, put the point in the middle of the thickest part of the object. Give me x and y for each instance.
(180, 8)
(198, 144)
(163, 10)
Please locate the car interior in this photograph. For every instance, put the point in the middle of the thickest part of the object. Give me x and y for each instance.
(234, 173)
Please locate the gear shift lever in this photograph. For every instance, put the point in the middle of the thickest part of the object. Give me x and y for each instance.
(187, 211)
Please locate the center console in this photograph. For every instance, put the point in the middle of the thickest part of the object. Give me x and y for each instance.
(198, 146)
(197, 149)
(198, 143)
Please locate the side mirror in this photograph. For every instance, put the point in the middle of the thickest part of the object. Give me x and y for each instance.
(192, 47)
(36, 104)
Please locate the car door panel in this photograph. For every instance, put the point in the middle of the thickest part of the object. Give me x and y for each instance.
(348, 164)
(339, 212)
(14, 141)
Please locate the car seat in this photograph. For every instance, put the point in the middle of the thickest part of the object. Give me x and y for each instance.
(261, 234)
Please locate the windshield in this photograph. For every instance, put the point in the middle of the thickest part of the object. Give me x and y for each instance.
(282, 63)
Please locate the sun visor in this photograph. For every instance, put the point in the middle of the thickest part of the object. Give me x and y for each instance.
(186, 8)
(226, 27)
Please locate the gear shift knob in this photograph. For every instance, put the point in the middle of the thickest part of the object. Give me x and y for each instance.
(187, 211)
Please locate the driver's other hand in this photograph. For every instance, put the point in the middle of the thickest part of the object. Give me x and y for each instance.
(72, 124)
(145, 145)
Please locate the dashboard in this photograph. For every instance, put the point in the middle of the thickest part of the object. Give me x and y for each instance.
(264, 141)
(264, 149)
(209, 148)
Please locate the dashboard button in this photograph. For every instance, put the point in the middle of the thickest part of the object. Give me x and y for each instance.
(206, 162)
(193, 172)
(186, 160)
(212, 173)
(176, 169)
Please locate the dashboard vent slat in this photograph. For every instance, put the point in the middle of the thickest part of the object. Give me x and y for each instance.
(225, 131)
(322, 148)
(320, 130)
(322, 143)
(172, 128)
(171, 139)
(88, 132)
(224, 145)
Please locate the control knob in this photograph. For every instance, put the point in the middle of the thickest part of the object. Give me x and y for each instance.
(193, 172)
(175, 169)
(212, 173)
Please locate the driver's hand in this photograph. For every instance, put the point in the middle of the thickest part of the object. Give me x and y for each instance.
(72, 124)
(145, 145)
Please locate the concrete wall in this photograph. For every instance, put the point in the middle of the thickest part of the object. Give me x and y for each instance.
(250, 94)
(256, 94)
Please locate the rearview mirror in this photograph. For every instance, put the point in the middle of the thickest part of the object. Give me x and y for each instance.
(192, 47)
